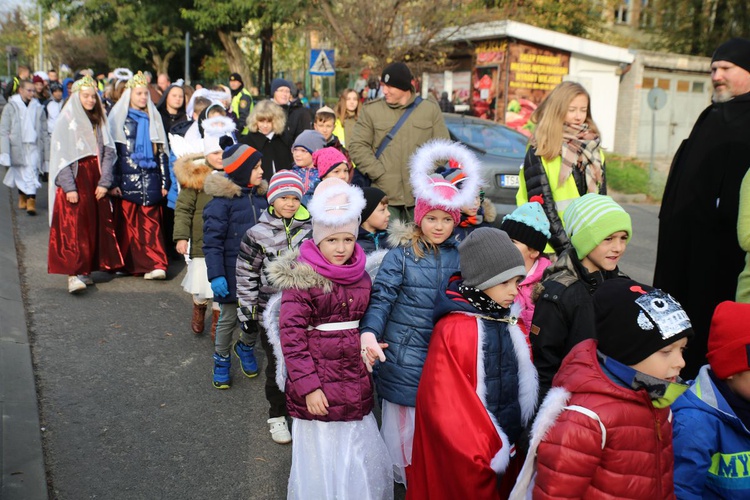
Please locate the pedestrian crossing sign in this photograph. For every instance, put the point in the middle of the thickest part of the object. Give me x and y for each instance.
(321, 62)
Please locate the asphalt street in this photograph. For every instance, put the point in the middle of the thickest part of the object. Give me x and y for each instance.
(126, 402)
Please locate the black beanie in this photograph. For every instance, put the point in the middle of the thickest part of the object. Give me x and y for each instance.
(236, 77)
(373, 197)
(735, 51)
(397, 75)
(633, 321)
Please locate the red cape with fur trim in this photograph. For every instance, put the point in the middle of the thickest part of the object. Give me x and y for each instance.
(456, 445)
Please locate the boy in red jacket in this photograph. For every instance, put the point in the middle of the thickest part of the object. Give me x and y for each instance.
(604, 429)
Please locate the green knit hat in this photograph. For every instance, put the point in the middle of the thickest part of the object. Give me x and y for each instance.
(592, 218)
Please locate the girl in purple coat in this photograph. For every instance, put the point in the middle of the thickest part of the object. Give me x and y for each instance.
(338, 451)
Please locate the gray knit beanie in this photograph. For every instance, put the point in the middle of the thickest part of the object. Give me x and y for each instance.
(488, 257)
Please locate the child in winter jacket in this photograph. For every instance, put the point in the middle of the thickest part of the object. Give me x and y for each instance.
(373, 233)
(599, 231)
(325, 291)
(191, 171)
(605, 430)
(330, 162)
(478, 366)
(307, 143)
(711, 420)
(480, 212)
(238, 201)
(266, 125)
(528, 227)
(403, 296)
(281, 228)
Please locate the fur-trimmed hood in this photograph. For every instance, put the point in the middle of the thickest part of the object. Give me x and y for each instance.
(404, 234)
(191, 171)
(286, 272)
(221, 186)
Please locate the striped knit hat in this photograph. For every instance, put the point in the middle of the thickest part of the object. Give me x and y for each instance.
(284, 183)
(592, 218)
(239, 161)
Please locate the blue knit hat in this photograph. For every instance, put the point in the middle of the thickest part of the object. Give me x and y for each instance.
(592, 218)
(529, 225)
(311, 140)
(277, 83)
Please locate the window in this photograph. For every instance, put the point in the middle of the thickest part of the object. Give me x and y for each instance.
(648, 83)
(698, 87)
(683, 86)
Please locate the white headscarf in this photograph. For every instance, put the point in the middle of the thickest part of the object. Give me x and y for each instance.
(119, 113)
(73, 139)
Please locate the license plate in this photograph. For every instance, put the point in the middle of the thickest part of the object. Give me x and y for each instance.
(509, 181)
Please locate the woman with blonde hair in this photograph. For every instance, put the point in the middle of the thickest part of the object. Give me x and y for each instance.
(347, 113)
(266, 125)
(564, 160)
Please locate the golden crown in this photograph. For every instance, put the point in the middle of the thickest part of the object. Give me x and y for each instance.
(84, 83)
(137, 81)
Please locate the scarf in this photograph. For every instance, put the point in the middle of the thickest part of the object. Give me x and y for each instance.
(347, 274)
(662, 392)
(479, 299)
(580, 149)
(143, 155)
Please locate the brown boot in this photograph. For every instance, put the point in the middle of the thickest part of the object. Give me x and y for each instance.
(214, 320)
(31, 206)
(22, 201)
(198, 323)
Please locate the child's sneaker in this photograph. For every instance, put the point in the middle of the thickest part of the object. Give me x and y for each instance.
(222, 365)
(247, 359)
(279, 430)
(75, 284)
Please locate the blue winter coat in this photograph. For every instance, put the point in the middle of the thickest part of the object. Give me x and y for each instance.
(141, 186)
(400, 311)
(711, 445)
(226, 219)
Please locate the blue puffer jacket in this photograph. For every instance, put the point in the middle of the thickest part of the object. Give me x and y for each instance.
(400, 311)
(711, 445)
(141, 186)
(501, 367)
(226, 218)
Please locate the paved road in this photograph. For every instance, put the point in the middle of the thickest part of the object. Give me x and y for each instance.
(125, 393)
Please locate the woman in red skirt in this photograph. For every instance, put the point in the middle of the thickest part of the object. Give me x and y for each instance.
(82, 235)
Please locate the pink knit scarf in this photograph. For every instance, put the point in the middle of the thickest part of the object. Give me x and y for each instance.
(347, 274)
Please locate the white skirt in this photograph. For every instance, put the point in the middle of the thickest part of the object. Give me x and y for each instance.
(339, 460)
(26, 177)
(196, 281)
(398, 434)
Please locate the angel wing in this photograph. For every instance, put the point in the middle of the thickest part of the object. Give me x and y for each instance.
(271, 324)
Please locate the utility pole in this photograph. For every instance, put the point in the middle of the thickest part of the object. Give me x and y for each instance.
(187, 58)
(41, 41)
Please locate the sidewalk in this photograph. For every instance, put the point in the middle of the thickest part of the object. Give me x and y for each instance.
(21, 456)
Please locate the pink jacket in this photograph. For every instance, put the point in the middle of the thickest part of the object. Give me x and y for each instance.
(526, 288)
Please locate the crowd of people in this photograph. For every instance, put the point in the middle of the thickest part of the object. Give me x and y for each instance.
(509, 358)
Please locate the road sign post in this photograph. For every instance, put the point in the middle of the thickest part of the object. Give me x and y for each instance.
(656, 98)
(321, 64)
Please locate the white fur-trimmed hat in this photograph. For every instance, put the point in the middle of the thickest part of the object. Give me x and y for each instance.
(214, 129)
(431, 190)
(336, 207)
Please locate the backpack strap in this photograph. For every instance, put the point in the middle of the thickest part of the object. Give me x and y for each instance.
(389, 137)
(591, 415)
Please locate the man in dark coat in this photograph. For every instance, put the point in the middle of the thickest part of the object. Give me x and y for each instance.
(298, 117)
(698, 255)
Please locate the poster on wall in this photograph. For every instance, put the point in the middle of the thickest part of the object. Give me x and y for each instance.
(528, 72)
(533, 71)
(460, 85)
(485, 84)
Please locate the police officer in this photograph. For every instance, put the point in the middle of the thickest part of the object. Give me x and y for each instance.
(242, 101)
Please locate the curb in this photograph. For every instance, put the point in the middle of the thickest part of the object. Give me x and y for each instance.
(21, 455)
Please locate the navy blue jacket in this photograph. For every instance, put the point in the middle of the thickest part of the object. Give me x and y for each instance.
(500, 361)
(371, 242)
(141, 186)
(711, 445)
(226, 218)
(400, 312)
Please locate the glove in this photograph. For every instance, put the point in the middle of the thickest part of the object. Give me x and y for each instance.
(370, 349)
(219, 286)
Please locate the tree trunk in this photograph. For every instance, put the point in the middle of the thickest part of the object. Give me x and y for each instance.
(265, 71)
(235, 57)
(159, 63)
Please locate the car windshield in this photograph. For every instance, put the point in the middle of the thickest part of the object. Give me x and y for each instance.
(490, 137)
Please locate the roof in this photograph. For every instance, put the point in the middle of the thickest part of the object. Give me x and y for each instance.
(573, 44)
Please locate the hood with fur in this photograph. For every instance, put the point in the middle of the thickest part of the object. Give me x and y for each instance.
(221, 186)
(404, 234)
(191, 171)
(286, 272)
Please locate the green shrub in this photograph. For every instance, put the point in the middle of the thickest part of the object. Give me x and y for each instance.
(627, 175)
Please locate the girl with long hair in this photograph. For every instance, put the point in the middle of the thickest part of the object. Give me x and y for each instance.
(564, 160)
